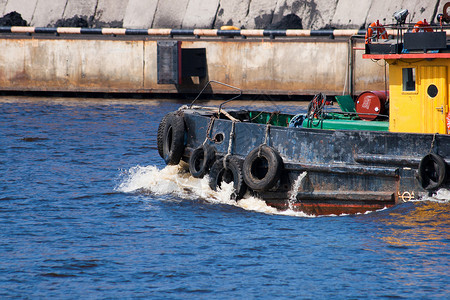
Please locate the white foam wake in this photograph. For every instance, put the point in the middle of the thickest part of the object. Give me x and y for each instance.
(175, 180)
(442, 196)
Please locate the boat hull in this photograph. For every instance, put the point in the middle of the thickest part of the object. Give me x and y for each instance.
(323, 171)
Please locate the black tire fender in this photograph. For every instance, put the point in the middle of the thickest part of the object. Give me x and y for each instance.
(201, 160)
(432, 171)
(160, 136)
(173, 139)
(233, 172)
(262, 168)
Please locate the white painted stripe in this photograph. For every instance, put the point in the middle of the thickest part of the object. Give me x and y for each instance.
(68, 30)
(159, 31)
(298, 32)
(116, 31)
(345, 32)
(205, 32)
(22, 29)
(252, 32)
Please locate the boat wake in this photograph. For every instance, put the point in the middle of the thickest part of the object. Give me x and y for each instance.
(441, 196)
(176, 181)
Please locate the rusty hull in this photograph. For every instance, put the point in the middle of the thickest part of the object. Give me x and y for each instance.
(341, 171)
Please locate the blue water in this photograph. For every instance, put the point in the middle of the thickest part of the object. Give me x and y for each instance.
(87, 210)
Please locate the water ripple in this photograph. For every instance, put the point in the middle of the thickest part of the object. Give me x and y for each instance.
(88, 209)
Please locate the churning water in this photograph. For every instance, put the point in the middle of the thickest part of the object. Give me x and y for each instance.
(88, 210)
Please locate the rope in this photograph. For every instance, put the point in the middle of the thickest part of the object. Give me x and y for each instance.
(316, 106)
(432, 143)
(208, 131)
(316, 109)
(260, 113)
(266, 134)
(266, 137)
(230, 145)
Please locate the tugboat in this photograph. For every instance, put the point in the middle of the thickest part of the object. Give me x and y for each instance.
(382, 149)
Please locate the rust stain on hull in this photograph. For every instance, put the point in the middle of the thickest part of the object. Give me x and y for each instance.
(319, 209)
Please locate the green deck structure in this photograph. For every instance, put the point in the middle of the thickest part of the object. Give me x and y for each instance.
(347, 124)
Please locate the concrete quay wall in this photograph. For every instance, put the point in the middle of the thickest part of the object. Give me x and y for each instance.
(250, 14)
(257, 66)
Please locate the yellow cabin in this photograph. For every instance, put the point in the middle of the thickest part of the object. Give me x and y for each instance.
(418, 81)
(419, 64)
(419, 99)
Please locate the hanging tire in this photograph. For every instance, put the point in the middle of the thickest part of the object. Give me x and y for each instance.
(160, 136)
(201, 160)
(432, 171)
(262, 168)
(233, 173)
(173, 139)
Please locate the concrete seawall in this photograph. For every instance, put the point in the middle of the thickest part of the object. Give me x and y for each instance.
(129, 64)
(259, 65)
(315, 14)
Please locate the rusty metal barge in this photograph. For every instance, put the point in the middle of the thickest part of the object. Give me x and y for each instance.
(382, 149)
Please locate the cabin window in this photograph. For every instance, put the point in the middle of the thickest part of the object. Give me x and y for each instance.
(409, 79)
(432, 91)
